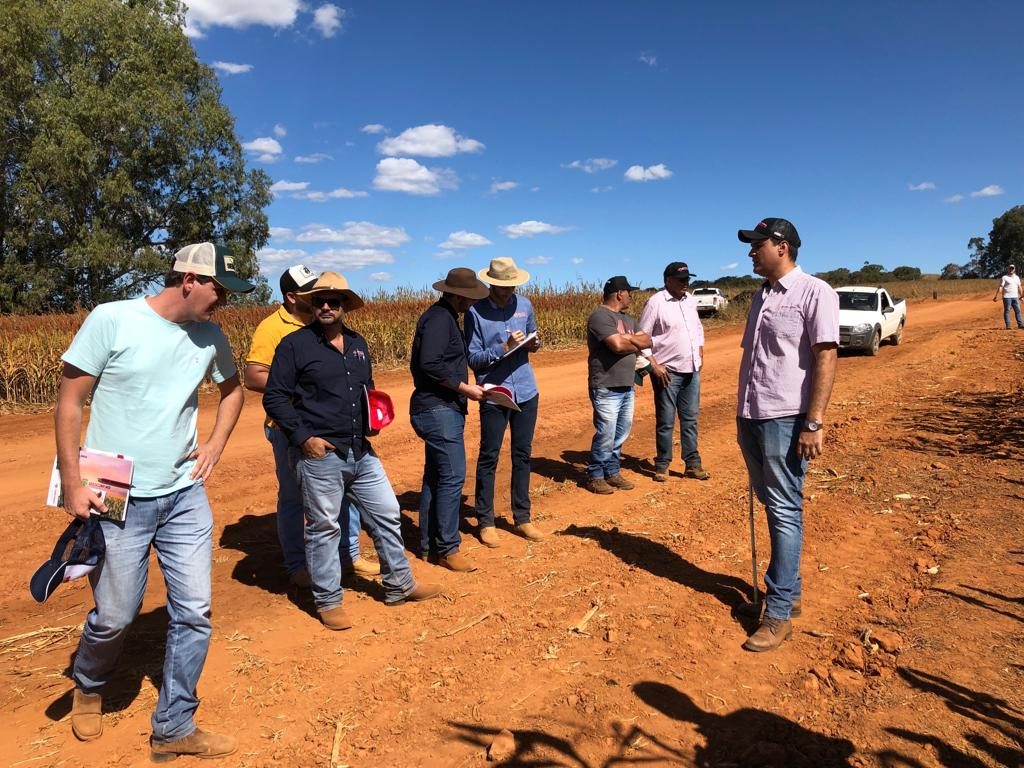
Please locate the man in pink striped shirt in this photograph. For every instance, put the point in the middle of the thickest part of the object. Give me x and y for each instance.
(677, 354)
(789, 364)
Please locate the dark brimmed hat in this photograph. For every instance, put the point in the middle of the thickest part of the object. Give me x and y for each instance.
(332, 282)
(462, 282)
(214, 261)
(618, 283)
(679, 269)
(79, 549)
(780, 229)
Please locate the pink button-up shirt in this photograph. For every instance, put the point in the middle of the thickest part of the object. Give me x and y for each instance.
(785, 321)
(675, 330)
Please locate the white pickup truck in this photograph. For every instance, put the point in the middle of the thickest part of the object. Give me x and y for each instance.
(869, 316)
(709, 301)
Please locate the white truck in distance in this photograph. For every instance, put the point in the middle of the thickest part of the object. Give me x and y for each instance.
(869, 316)
(709, 300)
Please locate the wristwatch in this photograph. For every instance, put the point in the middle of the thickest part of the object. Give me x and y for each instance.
(812, 426)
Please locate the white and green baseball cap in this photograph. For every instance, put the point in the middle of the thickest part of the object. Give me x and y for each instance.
(209, 260)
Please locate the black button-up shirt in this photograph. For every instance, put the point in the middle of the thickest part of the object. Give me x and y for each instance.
(438, 361)
(314, 390)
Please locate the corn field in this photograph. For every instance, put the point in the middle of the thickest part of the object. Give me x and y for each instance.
(31, 346)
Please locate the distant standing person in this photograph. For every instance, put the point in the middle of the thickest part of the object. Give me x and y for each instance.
(437, 411)
(315, 393)
(677, 355)
(786, 373)
(142, 361)
(1009, 289)
(613, 342)
(293, 314)
(494, 326)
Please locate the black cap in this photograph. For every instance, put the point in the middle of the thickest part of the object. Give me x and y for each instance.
(780, 229)
(79, 549)
(679, 269)
(618, 283)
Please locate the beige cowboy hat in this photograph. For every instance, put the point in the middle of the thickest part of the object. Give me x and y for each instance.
(332, 282)
(503, 271)
(462, 282)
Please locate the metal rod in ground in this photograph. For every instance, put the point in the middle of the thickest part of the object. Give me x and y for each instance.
(753, 546)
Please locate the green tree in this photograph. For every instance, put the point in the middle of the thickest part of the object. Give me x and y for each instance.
(115, 151)
(950, 272)
(906, 273)
(1005, 245)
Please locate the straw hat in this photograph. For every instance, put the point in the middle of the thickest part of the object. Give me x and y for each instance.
(462, 282)
(332, 282)
(503, 271)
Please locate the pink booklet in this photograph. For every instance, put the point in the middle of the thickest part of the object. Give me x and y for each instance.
(108, 474)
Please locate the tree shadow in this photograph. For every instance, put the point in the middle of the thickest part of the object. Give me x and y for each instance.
(747, 737)
(659, 560)
(980, 423)
(948, 754)
(980, 707)
(970, 600)
(142, 658)
(528, 746)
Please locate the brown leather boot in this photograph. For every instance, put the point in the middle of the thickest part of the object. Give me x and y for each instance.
(696, 473)
(87, 715)
(530, 531)
(363, 567)
(599, 485)
(770, 635)
(198, 743)
(618, 481)
(456, 561)
(489, 536)
(336, 619)
(419, 593)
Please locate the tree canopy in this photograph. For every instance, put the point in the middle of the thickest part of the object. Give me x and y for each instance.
(116, 150)
(1005, 246)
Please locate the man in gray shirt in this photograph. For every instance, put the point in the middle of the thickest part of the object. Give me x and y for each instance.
(613, 343)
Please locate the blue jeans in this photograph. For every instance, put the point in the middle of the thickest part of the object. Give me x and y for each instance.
(179, 526)
(1014, 304)
(444, 474)
(613, 418)
(776, 473)
(290, 520)
(681, 396)
(493, 420)
(325, 483)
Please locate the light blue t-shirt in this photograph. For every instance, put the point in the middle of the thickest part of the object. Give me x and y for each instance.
(145, 404)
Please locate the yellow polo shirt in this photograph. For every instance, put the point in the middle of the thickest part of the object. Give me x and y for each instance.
(267, 336)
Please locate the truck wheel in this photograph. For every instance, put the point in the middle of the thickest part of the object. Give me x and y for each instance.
(897, 338)
(876, 340)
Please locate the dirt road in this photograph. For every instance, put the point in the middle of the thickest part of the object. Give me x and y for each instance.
(907, 654)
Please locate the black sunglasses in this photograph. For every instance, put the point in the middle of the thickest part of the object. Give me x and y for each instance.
(333, 303)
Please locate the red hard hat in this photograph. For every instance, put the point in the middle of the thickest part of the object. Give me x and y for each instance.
(379, 408)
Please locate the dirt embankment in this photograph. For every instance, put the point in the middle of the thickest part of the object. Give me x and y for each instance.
(908, 652)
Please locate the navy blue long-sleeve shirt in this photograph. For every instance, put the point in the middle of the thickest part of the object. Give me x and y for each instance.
(314, 390)
(438, 361)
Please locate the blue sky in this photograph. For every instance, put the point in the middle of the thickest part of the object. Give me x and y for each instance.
(587, 139)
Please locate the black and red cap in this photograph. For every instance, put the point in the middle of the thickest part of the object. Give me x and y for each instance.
(780, 229)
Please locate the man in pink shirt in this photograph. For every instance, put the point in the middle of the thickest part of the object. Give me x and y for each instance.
(789, 364)
(677, 354)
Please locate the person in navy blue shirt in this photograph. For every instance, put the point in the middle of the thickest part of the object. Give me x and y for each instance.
(497, 329)
(437, 411)
(315, 394)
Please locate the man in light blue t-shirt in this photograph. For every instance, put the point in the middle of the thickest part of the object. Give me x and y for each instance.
(143, 361)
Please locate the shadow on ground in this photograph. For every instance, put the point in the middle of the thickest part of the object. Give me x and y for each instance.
(978, 423)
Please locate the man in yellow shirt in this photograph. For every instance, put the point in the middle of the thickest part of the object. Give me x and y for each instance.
(294, 313)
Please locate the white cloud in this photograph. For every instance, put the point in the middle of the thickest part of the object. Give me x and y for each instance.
(379, 277)
(402, 174)
(373, 128)
(335, 194)
(350, 258)
(726, 267)
(238, 14)
(281, 233)
(599, 190)
(280, 187)
(531, 228)
(648, 58)
(576, 260)
(537, 260)
(266, 149)
(954, 198)
(464, 239)
(535, 189)
(447, 254)
(990, 191)
(653, 173)
(327, 19)
(428, 141)
(924, 186)
(280, 131)
(270, 258)
(592, 164)
(359, 234)
(503, 186)
(316, 157)
(230, 68)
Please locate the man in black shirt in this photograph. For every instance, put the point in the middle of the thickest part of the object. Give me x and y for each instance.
(315, 394)
(438, 414)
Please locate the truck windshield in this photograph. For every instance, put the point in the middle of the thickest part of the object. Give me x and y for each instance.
(863, 302)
